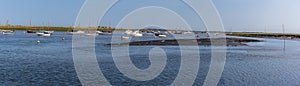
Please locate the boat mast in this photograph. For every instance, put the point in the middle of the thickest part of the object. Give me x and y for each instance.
(266, 28)
(30, 22)
(7, 22)
(284, 38)
(48, 25)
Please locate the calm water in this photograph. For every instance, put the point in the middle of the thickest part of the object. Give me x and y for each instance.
(23, 62)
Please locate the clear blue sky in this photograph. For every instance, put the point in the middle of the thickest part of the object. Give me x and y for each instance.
(40, 12)
(240, 15)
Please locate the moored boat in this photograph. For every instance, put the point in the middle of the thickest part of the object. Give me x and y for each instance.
(44, 34)
(91, 34)
(76, 33)
(49, 32)
(128, 32)
(137, 34)
(162, 36)
(7, 32)
(103, 33)
(124, 37)
(30, 31)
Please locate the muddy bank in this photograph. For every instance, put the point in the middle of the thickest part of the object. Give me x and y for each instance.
(190, 42)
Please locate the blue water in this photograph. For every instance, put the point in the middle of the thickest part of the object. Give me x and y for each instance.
(24, 62)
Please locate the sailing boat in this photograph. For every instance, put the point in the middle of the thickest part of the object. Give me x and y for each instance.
(7, 32)
(103, 33)
(49, 32)
(45, 33)
(30, 31)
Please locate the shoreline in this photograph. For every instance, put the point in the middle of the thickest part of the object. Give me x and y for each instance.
(36, 28)
(279, 36)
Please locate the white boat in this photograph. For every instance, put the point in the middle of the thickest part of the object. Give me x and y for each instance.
(216, 34)
(137, 34)
(7, 32)
(162, 36)
(128, 32)
(91, 34)
(44, 34)
(103, 33)
(124, 37)
(76, 33)
(47, 35)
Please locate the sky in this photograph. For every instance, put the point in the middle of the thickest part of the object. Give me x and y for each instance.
(40, 12)
(237, 15)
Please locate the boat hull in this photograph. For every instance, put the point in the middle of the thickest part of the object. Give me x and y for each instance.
(30, 31)
(43, 34)
(7, 32)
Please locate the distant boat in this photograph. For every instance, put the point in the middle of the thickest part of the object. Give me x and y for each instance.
(90, 33)
(7, 32)
(124, 37)
(50, 32)
(47, 34)
(103, 33)
(216, 34)
(162, 36)
(30, 31)
(76, 33)
(133, 33)
(128, 32)
(137, 34)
